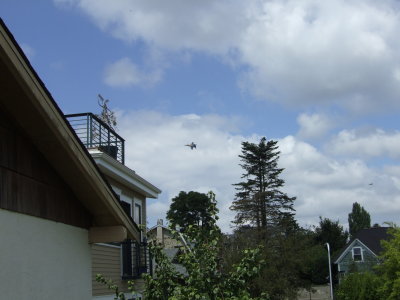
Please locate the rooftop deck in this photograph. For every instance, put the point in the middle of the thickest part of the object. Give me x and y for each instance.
(94, 133)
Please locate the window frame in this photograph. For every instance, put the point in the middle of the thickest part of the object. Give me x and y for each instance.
(360, 254)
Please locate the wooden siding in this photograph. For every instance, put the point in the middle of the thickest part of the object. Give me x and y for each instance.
(29, 184)
(347, 264)
(106, 261)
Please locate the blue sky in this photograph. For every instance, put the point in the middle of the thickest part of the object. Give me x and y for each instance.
(321, 77)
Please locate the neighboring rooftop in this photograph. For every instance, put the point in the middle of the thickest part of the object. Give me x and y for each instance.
(372, 237)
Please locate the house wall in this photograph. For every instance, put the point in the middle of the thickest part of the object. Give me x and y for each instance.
(43, 259)
(107, 258)
(168, 239)
(347, 264)
(106, 261)
(29, 184)
(129, 196)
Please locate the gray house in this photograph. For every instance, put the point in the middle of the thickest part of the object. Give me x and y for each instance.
(362, 252)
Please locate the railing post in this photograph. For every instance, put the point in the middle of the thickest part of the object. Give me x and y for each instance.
(89, 130)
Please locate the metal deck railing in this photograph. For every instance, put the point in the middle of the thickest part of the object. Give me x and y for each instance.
(94, 133)
(136, 259)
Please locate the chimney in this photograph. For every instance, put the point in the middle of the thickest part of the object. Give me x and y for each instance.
(160, 235)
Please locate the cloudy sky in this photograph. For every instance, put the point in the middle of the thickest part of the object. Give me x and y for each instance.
(321, 77)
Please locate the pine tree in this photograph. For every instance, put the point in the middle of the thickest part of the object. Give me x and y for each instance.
(259, 200)
(359, 219)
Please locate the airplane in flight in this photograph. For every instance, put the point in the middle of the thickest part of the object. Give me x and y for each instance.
(192, 145)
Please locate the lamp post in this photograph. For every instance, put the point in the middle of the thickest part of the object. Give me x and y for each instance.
(330, 271)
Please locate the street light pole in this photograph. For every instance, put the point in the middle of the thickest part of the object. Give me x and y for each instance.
(330, 271)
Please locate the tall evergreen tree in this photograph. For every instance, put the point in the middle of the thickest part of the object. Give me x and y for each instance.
(359, 219)
(259, 200)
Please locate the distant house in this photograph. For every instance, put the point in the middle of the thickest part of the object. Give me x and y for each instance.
(66, 212)
(163, 235)
(362, 251)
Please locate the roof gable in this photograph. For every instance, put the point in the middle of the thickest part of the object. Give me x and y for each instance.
(369, 238)
(44, 123)
(372, 238)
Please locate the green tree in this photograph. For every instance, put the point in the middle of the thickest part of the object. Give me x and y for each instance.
(288, 255)
(331, 232)
(205, 277)
(359, 219)
(360, 286)
(201, 258)
(191, 208)
(259, 200)
(390, 268)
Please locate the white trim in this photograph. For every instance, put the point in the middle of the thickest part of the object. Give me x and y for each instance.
(361, 252)
(351, 245)
(123, 174)
(108, 245)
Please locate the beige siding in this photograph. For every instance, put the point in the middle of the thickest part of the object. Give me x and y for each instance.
(106, 261)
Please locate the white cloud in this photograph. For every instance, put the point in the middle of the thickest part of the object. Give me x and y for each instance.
(155, 149)
(298, 52)
(324, 186)
(313, 126)
(327, 187)
(124, 73)
(376, 143)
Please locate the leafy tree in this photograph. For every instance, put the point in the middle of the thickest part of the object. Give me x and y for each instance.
(202, 260)
(315, 265)
(390, 267)
(331, 232)
(201, 257)
(360, 286)
(259, 200)
(287, 257)
(191, 208)
(359, 219)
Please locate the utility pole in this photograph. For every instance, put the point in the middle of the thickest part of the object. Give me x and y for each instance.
(330, 270)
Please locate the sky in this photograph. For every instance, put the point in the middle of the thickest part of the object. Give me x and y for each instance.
(320, 77)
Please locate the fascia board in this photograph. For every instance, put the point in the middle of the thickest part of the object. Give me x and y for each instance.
(123, 174)
(59, 144)
(345, 251)
(351, 246)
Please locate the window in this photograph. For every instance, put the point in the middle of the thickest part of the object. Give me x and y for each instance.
(357, 254)
(137, 216)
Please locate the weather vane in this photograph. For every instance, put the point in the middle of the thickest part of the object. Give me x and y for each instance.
(107, 115)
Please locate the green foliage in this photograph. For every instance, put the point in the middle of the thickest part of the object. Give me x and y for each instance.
(315, 265)
(385, 285)
(358, 219)
(258, 200)
(286, 252)
(331, 232)
(191, 208)
(390, 267)
(360, 286)
(205, 278)
(111, 285)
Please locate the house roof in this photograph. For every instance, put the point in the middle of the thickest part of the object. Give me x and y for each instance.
(372, 238)
(121, 173)
(369, 237)
(25, 97)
